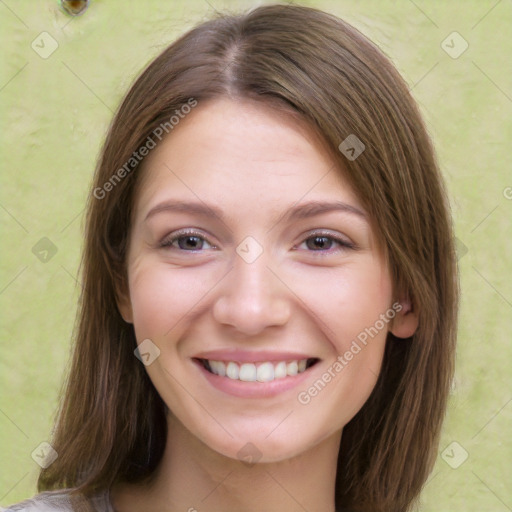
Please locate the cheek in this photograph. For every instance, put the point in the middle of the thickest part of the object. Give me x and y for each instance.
(161, 297)
(351, 313)
(348, 302)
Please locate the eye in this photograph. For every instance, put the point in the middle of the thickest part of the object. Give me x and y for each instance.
(321, 242)
(188, 241)
(192, 241)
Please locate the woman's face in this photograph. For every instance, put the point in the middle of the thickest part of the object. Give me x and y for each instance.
(248, 277)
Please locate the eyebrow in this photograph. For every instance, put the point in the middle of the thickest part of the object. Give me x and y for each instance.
(298, 212)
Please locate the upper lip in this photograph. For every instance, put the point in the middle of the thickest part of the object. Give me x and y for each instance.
(248, 356)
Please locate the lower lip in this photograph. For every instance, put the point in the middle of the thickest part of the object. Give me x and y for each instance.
(253, 389)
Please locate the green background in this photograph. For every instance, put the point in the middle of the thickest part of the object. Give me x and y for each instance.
(55, 112)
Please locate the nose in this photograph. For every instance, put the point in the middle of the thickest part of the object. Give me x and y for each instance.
(252, 297)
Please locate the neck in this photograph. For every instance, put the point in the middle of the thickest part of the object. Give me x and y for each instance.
(191, 477)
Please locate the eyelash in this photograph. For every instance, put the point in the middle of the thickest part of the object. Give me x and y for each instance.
(166, 243)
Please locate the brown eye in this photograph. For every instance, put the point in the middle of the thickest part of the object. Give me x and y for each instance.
(188, 241)
(322, 243)
(319, 242)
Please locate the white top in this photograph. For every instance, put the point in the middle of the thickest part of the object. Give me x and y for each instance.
(58, 501)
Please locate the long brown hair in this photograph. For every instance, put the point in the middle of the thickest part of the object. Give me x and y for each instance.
(111, 425)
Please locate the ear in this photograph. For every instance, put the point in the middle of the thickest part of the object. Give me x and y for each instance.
(124, 304)
(405, 322)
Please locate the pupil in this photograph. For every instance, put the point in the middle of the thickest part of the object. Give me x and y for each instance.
(320, 241)
(194, 242)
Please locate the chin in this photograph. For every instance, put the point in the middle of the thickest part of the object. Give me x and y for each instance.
(254, 447)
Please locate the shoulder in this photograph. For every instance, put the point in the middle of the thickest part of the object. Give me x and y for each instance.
(57, 501)
(48, 501)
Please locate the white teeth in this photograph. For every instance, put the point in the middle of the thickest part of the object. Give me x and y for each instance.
(247, 372)
(280, 370)
(292, 368)
(265, 372)
(221, 370)
(232, 370)
(218, 368)
(261, 372)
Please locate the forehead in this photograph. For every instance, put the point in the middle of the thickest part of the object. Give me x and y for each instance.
(241, 149)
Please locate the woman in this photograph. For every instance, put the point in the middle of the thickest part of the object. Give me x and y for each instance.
(269, 312)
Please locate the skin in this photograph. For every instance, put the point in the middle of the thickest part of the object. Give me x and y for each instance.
(254, 163)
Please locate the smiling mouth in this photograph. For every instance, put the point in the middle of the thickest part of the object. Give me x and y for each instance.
(257, 372)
